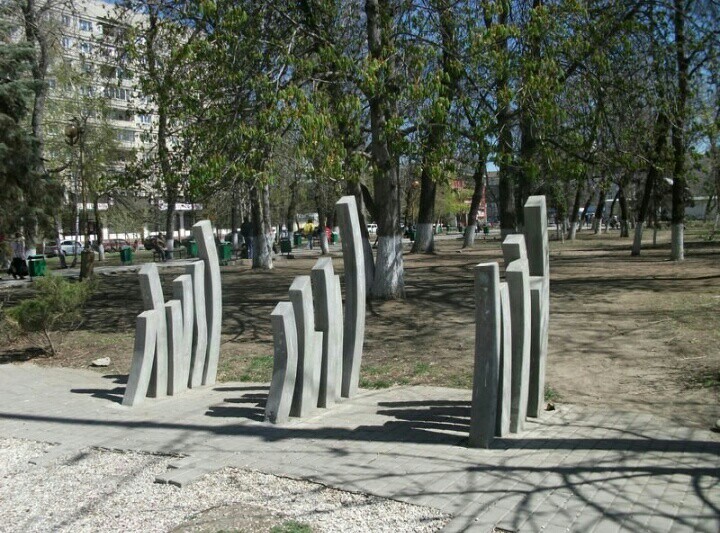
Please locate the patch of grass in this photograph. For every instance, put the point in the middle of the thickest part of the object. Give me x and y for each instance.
(380, 383)
(291, 526)
(259, 369)
(421, 368)
(551, 394)
(705, 378)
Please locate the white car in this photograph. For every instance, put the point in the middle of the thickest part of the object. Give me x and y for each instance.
(68, 247)
(372, 228)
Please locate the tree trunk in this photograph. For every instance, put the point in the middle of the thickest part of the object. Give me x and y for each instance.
(599, 209)
(389, 276)
(356, 190)
(424, 241)
(292, 206)
(260, 212)
(469, 238)
(575, 210)
(623, 213)
(98, 230)
(678, 136)
(322, 222)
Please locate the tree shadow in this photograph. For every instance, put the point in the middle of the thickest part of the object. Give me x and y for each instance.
(23, 355)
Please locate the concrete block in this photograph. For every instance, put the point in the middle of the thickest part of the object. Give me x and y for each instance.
(146, 327)
(518, 282)
(183, 291)
(203, 233)
(176, 371)
(488, 318)
(338, 341)
(153, 298)
(536, 236)
(309, 357)
(328, 320)
(505, 377)
(538, 344)
(513, 248)
(355, 291)
(198, 353)
(282, 386)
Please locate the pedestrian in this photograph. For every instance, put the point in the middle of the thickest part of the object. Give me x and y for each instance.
(308, 230)
(247, 230)
(18, 265)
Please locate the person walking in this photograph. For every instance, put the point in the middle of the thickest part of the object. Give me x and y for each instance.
(308, 230)
(18, 266)
(247, 230)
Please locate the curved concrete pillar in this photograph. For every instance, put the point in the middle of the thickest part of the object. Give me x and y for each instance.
(505, 379)
(355, 291)
(203, 234)
(199, 339)
(328, 320)
(176, 372)
(153, 299)
(282, 386)
(146, 327)
(518, 282)
(309, 348)
(183, 291)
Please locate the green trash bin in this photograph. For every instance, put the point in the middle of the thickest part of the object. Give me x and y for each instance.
(36, 265)
(411, 234)
(285, 246)
(298, 239)
(192, 248)
(126, 255)
(225, 252)
(334, 238)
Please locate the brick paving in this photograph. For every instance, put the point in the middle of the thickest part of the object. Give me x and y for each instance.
(576, 469)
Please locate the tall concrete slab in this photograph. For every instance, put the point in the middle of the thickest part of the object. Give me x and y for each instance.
(309, 348)
(505, 378)
(488, 331)
(183, 291)
(538, 250)
(153, 299)
(146, 327)
(355, 291)
(518, 282)
(282, 386)
(338, 341)
(328, 320)
(536, 236)
(176, 371)
(198, 354)
(203, 234)
(538, 344)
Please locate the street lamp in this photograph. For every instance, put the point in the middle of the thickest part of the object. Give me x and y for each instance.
(74, 133)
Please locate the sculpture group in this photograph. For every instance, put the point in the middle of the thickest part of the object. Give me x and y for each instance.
(318, 344)
(511, 333)
(177, 343)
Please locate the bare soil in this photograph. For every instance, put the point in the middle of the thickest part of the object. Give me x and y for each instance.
(634, 333)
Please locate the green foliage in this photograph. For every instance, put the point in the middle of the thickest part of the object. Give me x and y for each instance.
(56, 308)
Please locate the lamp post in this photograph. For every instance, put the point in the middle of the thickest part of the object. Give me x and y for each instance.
(74, 133)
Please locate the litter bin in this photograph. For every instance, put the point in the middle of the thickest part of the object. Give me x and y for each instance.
(285, 246)
(298, 239)
(192, 249)
(411, 235)
(334, 238)
(36, 265)
(225, 252)
(126, 255)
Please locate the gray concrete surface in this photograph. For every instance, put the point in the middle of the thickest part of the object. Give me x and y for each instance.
(574, 469)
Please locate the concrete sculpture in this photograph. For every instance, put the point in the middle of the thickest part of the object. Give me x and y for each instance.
(176, 350)
(146, 328)
(282, 386)
(355, 290)
(196, 270)
(488, 347)
(309, 348)
(505, 378)
(183, 291)
(153, 299)
(207, 252)
(328, 321)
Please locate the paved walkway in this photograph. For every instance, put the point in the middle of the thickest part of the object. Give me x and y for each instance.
(576, 469)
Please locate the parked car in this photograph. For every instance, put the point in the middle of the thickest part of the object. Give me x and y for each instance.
(67, 248)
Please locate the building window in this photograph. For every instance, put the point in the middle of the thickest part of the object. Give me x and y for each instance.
(85, 25)
(87, 91)
(117, 93)
(67, 42)
(145, 119)
(67, 20)
(85, 47)
(126, 136)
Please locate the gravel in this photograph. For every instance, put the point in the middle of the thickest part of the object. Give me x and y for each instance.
(103, 490)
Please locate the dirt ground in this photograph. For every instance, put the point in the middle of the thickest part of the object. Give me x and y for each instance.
(638, 334)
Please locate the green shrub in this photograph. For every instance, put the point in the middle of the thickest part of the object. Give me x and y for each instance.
(9, 328)
(56, 309)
